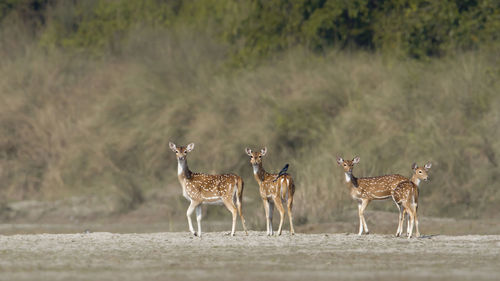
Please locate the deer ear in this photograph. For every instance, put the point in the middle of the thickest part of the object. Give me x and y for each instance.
(248, 151)
(355, 160)
(414, 166)
(263, 151)
(172, 146)
(190, 147)
(428, 166)
(340, 160)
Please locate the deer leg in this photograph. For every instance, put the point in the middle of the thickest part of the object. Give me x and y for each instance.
(417, 232)
(360, 219)
(189, 212)
(404, 215)
(400, 220)
(238, 203)
(363, 207)
(412, 218)
(290, 215)
(281, 209)
(409, 222)
(270, 205)
(198, 219)
(266, 210)
(230, 206)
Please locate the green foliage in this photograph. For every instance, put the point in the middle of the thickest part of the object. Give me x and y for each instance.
(260, 28)
(30, 12)
(101, 25)
(278, 25)
(422, 28)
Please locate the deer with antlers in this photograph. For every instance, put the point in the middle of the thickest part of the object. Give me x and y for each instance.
(364, 190)
(201, 189)
(275, 189)
(405, 195)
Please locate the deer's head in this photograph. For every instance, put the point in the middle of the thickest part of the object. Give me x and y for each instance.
(420, 173)
(181, 151)
(256, 156)
(347, 165)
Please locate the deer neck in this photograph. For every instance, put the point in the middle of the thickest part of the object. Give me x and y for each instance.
(183, 171)
(351, 179)
(415, 180)
(259, 172)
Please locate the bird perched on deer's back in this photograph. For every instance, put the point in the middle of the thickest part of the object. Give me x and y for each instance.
(281, 173)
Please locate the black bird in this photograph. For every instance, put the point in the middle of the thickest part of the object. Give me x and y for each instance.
(281, 173)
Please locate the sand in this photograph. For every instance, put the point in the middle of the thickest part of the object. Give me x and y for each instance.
(216, 256)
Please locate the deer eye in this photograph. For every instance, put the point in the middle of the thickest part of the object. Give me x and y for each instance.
(345, 165)
(419, 172)
(177, 151)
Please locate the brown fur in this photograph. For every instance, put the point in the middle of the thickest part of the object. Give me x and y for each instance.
(202, 188)
(273, 192)
(405, 195)
(367, 189)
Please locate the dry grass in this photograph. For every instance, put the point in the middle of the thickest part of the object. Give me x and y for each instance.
(70, 125)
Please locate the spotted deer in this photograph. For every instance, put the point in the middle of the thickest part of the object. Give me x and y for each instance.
(201, 189)
(405, 195)
(364, 190)
(274, 190)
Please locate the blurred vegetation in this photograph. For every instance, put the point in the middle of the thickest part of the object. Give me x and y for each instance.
(92, 92)
(260, 28)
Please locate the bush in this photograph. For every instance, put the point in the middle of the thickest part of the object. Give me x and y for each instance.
(76, 124)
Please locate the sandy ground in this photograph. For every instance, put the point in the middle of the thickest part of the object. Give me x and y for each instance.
(42, 241)
(216, 256)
